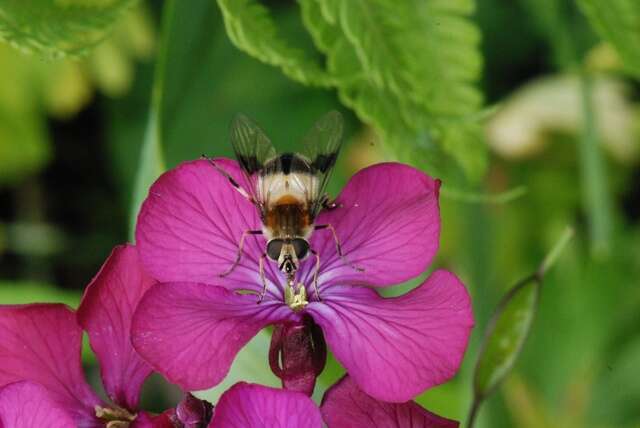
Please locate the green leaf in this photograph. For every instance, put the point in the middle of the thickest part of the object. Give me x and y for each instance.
(57, 28)
(506, 334)
(251, 28)
(409, 69)
(508, 329)
(618, 22)
(151, 163)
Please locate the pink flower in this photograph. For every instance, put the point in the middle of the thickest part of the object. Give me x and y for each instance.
(29, 405)
(255, 406)
(40, 348)
(345, 405)
(191, 326)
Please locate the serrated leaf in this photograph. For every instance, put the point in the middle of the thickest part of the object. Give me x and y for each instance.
(505, 336)
(409, 70)
(618, 22)
(251, 29)
(58, 27)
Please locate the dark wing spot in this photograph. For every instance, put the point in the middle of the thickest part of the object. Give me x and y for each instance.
(249, 163)
(324, 162)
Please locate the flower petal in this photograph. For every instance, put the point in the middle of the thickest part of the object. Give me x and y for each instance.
(105, 313)
(256, 406)
(191, 332)
(28, 405)
(146, 420)
(395, 348)
(190, 226)
(388, 224)
(41, 343)
(345, 405)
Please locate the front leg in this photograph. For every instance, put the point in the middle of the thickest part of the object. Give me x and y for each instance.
(328, 204)
(240, 247)
(233, 182)
(315, 274)
(338, 246)
(264, 281)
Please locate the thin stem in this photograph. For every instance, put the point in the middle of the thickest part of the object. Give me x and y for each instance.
(552, 255)
(473, 412)
(483, 198)
(151, 163)
(596, 199)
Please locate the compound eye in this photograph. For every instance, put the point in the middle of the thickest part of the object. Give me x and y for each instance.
(274, 248)
(301, 247)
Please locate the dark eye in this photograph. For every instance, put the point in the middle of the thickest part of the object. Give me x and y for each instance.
(274, 247)
(301, 247)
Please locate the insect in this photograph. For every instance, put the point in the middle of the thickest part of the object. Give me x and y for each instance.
(288, 190)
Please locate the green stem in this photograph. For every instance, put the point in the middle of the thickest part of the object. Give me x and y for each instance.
(552, 256)
(151, 163)
(483, 198)
(595, 189)
(473, 412)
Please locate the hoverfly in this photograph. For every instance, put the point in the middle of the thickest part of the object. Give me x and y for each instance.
(288, 190)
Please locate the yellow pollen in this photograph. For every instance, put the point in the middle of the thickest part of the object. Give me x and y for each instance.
(115, 417)
(295, 299)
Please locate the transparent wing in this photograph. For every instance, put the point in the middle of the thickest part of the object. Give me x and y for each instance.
(321, 147)
(252, 149)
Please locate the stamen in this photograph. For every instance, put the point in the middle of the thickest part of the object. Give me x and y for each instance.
(115, 417)
(295, 297)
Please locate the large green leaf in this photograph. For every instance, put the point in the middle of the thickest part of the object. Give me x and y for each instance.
(408, 68)
(58, 27)
(618, 22)
(252, 29)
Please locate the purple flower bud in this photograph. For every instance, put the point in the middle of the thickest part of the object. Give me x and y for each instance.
(298, 354)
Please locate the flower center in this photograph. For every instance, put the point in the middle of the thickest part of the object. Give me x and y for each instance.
(115, 417)
(295, 296)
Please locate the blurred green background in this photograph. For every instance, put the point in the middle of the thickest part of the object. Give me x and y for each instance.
(558, 132)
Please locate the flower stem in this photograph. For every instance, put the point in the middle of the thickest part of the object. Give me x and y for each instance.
(552, 255)
(596, 200)
(473, 412)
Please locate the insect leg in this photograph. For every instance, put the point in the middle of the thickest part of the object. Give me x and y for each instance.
(338, 246)
(328, 204)
(264, 281)
(233, 182)
(315, 274)
(240, 247)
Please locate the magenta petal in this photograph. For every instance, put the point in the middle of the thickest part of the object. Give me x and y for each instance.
(163, 420)
(190, 226)
(28, 405)
(191, 332)
(345, 405)
(41, 343)
(105, 313)
(255, 406)
(388, 224)
(395, 348)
